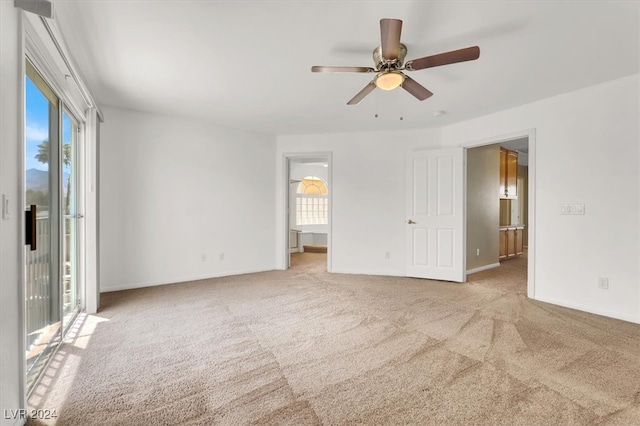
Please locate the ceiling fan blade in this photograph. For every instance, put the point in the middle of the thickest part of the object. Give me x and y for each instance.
(361, 94)
(319, 68)
(460, 55)
(390, 30)
(416, 89)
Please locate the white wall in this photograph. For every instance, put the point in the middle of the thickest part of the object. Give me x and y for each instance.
(368, 196)
(638, 186)
(587, 150)
(11, 342)
(172, 190)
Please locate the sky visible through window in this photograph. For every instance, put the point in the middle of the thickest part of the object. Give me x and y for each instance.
(37, 127)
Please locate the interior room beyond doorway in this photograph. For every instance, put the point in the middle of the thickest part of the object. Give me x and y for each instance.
(309, 212)
(497, 208)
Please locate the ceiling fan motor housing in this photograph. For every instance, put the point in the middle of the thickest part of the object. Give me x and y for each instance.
(382, 63)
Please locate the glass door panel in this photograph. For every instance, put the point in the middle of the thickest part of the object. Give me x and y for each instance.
(42, 285)
(70, 299)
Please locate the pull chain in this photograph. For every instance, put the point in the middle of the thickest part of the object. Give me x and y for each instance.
(377, 95)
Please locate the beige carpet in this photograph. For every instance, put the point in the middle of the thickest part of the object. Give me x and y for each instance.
(304, 347)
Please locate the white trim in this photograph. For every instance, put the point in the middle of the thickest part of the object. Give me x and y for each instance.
(181, 280)
(287, 210)
(498, 139)
(38, 48)
(530, 134)
(531, 215)
(483, 268)
(58, 41)
(91, 296)
(286, 157)
(464, 216)
(22, 50)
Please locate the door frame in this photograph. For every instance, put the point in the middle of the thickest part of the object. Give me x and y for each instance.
(40, 46)
(287, 157)
(530, 134)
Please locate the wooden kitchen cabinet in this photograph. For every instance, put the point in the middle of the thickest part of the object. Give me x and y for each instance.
(511, 241)
(518, 241)
(508, 174)
(503, 244)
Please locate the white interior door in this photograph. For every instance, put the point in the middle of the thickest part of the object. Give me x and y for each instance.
(435, 215)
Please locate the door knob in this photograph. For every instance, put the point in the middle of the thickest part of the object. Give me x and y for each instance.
(410, 222)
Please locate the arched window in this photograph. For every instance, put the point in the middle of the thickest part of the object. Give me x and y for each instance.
(312, 202)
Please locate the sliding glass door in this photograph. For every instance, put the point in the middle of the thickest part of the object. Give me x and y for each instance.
(42, 287)
(52, 250)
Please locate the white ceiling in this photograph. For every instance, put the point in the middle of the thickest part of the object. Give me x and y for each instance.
(246, 64)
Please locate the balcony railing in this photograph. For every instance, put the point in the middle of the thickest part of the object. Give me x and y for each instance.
(39, 303)
(42, 294)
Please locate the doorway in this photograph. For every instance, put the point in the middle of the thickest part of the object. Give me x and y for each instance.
(52, 176)
(308, 211)
(500, 216)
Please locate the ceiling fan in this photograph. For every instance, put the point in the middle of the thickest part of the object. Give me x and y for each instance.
(388, 59)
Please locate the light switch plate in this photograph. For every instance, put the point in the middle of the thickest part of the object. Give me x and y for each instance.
(5, 207)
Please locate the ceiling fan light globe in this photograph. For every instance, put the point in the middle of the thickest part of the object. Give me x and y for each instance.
(389, 80)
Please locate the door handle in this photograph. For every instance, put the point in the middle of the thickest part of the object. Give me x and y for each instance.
(410, 222)
(30, 227)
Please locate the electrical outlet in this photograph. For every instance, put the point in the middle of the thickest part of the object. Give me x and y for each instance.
(477, 252)
(387, 255)
(203, 257)
(221, 256)
(603, 283)
(572, 209)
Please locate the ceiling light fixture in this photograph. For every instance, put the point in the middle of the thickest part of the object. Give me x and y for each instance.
(389, 80)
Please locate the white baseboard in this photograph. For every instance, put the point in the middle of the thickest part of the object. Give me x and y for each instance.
(376, 273)
(131, 286)
(482, 268)
(589, 309)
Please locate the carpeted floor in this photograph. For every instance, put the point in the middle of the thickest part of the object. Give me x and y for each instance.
(304, 347)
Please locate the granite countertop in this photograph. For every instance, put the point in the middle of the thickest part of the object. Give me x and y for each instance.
(510, 226)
